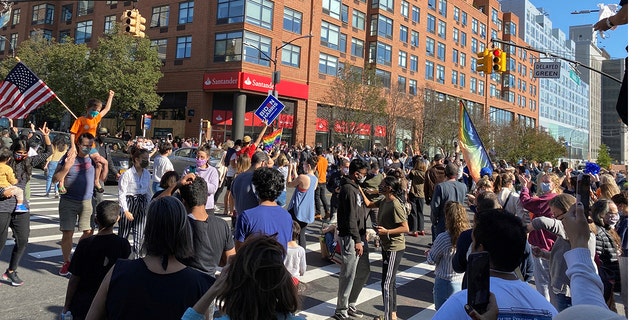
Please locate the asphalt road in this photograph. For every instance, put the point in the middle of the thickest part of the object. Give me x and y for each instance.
(43, 294)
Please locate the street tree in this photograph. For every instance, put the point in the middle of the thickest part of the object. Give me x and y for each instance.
(604, 158)
(402, 108)
(440, 122)
(354, 101)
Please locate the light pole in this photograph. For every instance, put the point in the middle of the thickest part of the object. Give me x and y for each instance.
(275, 76)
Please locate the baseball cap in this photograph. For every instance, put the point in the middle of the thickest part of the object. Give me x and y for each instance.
(246, 139)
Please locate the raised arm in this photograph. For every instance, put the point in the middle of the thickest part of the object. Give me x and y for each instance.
(107, 106)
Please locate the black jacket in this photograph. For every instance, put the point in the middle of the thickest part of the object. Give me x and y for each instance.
(351, 211)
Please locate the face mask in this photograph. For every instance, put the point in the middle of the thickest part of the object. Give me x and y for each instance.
(549, 170)
(85, 150)
(361, 180)
(19, 157)
(613, 219)
(200, 162)
(345, 171)
(144, 163)
(545, 187)
(94, 114)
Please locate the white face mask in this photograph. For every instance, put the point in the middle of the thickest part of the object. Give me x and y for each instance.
(545, 187)
(362, 179)
(613, 219)
(345, 171)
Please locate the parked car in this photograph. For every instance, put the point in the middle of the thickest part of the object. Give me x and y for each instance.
(183, 158)
(119, 156)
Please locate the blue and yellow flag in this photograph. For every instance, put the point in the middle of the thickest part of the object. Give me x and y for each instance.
(475, 155)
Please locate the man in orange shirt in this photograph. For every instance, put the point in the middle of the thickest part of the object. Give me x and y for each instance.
(89, 124)
(321, 191)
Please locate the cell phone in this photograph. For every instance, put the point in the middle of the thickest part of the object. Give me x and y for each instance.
(478, 281)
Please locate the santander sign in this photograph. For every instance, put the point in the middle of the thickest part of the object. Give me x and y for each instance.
(252, 82)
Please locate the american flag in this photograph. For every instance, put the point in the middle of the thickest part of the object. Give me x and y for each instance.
(21, 92)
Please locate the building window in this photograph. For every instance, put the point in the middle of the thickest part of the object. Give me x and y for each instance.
(440, 74)
(384, 77)
(109, 22)
(83, 31)
(404, 9)
(413, 63)
(328, 64)
(332, 8)
(442, 29)
(472, 85)
(464, 18)
(252, 54)
(3, 44)
(402, 84)
(230, 11)
(344, 14)
(15, 16)
(358, 19)
(428, 69)
(481, 87)
(431, 47)
(111, 2)
(380, 53)
(454, 56)
(260, 13)
(456, 35)
(456, 14)
(329, 35)
(402, 59)
(382, 4)
(483, 30)
(44, 33)
(432, 4)
(64, 35)
(474, 61)
(413, 87)
(161, 46)
(404, 34)
(14, 40)
(442, 7)
(381, 26)
(291, 56)
(415, 38)
(185, 14)
(463, 59)
(292, 20)
(228, 47)
(415, 14)
(442, 51)
(183, 47)
(462, 80)
(85, 7)
(342, 45)
(474, 25)
(357, 47)
(494, 16)
(454, 77)
(463, 39)
(42, 14)
(474, 45)
(159, 16)
(431, 23)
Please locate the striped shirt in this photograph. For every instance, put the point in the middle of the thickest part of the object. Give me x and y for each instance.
(441, 254)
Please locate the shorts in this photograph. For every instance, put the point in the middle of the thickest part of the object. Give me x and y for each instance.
(227, 182)
(75, 211)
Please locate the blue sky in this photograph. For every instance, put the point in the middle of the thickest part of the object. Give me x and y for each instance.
(561, 17)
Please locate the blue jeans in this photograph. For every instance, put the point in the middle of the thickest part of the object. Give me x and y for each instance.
(443, 289)
(51, 169)
(562, 301)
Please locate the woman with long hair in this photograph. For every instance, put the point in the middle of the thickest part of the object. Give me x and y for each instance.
(134, 195)
(256, 285)
(59, 150)
(416, 196)
(604, 214)
(447, 281)
(392, 225)
(243, 163)
(608, 187)
(157, 286)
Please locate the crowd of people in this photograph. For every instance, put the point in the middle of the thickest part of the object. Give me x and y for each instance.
(180, 244)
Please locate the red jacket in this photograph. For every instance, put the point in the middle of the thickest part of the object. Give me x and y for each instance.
(539, 207)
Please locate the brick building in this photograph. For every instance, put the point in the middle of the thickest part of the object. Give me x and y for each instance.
(218, 56)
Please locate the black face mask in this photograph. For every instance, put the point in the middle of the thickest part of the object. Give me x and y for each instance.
(144, 163)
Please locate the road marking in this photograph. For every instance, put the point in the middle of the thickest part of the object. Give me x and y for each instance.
(43, 238)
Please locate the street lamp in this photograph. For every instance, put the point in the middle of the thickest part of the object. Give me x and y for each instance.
(275, 76)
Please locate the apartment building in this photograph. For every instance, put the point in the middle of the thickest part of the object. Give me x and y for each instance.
(219, 57)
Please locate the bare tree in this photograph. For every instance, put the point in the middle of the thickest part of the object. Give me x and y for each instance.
(402, 107)
(440, 124)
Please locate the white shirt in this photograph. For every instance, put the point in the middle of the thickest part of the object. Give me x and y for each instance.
(161, 164)
(132, 184)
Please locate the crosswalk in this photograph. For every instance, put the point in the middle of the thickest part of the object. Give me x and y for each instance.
(318, 285)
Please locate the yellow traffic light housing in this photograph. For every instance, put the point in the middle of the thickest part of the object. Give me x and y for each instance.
(133, 23)
(499, 60)
(484, 61)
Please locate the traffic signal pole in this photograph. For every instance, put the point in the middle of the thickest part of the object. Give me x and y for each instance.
(556, 56)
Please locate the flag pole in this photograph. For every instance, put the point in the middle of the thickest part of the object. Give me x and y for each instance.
(64, 105)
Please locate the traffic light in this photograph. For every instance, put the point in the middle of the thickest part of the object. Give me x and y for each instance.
(499, 60)
(484, 61)
(133, 23)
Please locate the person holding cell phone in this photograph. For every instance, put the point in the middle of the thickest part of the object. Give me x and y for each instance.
(503, 236)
